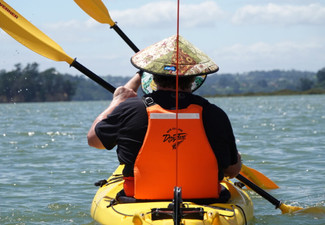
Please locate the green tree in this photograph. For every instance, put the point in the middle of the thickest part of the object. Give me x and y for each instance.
(321, 78)
(306, 84)
(29, 85)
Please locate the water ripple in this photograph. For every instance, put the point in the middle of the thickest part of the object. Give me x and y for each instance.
(48, 171)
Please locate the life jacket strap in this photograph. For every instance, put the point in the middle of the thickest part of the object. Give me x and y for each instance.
(148, 101)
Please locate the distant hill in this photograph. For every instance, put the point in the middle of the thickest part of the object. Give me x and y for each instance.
(28, 84)
(256, 81)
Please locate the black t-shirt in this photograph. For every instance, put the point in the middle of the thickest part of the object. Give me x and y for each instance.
(126, 127)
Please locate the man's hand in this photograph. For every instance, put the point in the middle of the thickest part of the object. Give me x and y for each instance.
(122, 93)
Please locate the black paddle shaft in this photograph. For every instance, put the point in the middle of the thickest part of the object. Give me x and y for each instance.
(125, 38)
(259, 191)
(93, 76)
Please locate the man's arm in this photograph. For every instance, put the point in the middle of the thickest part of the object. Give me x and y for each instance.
(120, 95)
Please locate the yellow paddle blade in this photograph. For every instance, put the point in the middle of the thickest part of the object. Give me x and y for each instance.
(289, 209)
(258, 178)
(315, 210)
(96, 9)
(27, 34)
(296, 209)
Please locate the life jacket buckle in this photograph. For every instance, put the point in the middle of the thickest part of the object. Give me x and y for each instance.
(148, 101)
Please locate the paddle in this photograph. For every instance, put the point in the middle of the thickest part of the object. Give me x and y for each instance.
(98, 11)
(258, 178)
(278, 204)
(27, 34)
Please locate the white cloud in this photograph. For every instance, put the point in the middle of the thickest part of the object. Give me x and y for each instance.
(163, 14)
(154, 15)
(266, 56)
(73, 25)
(204, 14)
(74, 30)
(160, 14)
(280, 14)
(3, 35)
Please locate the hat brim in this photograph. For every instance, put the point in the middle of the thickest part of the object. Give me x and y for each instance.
(168, 58)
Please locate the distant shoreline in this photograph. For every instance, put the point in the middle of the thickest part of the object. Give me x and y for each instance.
(275, 93)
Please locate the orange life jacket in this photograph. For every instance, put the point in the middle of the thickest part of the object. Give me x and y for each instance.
(159, 167)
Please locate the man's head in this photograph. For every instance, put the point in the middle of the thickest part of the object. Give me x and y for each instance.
(166, 60)
(169, 82)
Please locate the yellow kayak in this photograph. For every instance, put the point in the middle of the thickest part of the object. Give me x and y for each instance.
(106, 210)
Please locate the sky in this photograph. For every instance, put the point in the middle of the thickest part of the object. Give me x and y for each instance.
(240, 36)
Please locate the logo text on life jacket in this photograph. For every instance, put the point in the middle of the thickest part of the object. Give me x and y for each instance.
(174, 138)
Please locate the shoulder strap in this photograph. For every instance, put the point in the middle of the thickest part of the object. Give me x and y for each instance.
(148, 101)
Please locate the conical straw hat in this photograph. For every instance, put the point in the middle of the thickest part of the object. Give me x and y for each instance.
(160, 59)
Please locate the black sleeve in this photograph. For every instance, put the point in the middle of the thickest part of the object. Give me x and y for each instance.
(107, 129)
(125, 128)
(220, 135)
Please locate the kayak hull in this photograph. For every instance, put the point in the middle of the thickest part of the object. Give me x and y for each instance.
(239, 209)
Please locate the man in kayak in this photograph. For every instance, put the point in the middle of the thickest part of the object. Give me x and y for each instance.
(196, 152)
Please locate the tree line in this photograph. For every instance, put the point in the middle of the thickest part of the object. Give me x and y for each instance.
(266, 82)
(28, 84)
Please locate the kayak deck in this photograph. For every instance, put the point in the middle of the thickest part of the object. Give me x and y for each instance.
(105, 210)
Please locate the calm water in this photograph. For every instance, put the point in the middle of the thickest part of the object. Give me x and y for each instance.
(47, 170)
